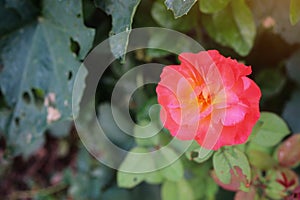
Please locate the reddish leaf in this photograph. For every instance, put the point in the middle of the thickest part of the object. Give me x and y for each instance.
(288, 153)
(238, 180)
(241, 195)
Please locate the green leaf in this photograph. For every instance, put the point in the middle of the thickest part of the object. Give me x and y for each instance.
(273, 130)
(256, 147)
(132, 164)
(166, 19)
(129, 180)
(154, 177)
(261, 160)
(255, 130)
(39, 70)
(229, 163)
(180, 7)
(146, 134)
(164, 38)
(233, 26)
(294, 11)
(200, 180)
(291, 112)
(199, 154)
(176, 190)
(122, 13)
(208, 6)
(174, 171)
(211, 188)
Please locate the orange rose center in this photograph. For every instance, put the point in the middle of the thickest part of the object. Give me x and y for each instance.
(204, 101)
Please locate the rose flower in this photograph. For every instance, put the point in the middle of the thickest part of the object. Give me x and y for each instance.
(208, 98)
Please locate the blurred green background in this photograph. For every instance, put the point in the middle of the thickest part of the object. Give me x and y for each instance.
(43, 43)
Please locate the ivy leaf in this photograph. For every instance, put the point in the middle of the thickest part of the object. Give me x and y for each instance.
(39, 70)
(294, 11)
(233, 27)
(180, 7)
(272, 131)
(122, 13)
(177, 190)
(208, 6)
(232, 164)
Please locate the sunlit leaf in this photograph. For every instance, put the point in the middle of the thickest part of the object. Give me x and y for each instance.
(233, 27)
(294, 11)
